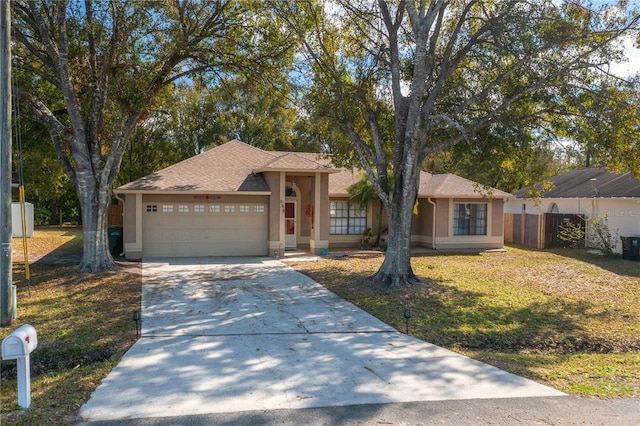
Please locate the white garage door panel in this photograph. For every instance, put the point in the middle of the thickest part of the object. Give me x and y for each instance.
(172, 234)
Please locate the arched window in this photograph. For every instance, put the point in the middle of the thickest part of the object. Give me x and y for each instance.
(553, 208)
(289, 191)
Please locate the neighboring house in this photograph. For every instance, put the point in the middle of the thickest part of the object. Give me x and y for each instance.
(238, 200)
(610, 198)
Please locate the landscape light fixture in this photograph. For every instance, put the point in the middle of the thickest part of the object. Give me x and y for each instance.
(136, 318)
(407, 316)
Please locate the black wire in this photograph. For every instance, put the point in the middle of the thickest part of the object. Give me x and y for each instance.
(17, 136)
(17, 121)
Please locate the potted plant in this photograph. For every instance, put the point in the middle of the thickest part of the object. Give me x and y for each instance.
(365, 240)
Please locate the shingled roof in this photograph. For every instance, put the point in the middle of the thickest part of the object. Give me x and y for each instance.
(231, 167)
(237, 167)
(450, 185)
(444, 185)
(591, 182)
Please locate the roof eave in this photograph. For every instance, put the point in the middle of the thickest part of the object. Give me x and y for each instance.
(187, 192)
(578, 198)
(294, 170)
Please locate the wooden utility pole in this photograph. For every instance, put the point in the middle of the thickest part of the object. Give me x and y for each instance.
(6, 301)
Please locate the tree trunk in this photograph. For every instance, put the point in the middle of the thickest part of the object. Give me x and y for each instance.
(380, 211)
(396, 269)
(94, 208)
(55, 218)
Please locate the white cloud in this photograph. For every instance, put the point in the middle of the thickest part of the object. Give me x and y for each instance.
(632, 65)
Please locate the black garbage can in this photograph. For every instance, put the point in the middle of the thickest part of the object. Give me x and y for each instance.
(631, 248)
(115, 240)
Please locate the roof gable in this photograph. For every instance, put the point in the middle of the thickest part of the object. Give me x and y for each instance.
(231, 167)
(237, 167)
(588, 183)
(431, 185)
(225, 168)
(448, 185)
(292, 161)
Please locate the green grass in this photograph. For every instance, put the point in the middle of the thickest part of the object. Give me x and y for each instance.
(564, 318)
(84, 325)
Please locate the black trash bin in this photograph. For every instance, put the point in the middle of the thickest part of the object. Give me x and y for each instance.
(631, 248)
(115, 240)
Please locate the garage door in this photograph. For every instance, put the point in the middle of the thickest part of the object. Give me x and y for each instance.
(190, 229)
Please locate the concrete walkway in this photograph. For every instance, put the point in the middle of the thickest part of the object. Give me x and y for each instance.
(226, 335)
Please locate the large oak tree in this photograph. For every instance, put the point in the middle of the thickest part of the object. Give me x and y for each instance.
(446, 69)
(107, 61)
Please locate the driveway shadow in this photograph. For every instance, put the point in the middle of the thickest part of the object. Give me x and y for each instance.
(221, 336)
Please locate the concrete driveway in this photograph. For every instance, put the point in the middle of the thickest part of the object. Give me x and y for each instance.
(223, 335)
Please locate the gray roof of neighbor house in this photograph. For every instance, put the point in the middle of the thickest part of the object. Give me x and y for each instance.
(589, 183)
(236, 167)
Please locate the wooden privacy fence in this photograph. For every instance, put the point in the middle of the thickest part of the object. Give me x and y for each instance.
(538, 231)
(115, 214)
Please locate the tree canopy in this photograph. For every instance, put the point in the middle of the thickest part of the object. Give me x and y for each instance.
(487, 87)
(445, 72)
(98, 68)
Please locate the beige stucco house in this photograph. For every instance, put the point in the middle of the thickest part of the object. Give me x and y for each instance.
(239, 200)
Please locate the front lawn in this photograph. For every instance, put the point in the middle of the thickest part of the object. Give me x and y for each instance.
(565, 318)
(84, 325)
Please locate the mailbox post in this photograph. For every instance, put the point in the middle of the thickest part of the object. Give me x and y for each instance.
(18, 345)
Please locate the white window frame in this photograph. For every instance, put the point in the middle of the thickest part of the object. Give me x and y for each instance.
(477, 224)
(353, 223)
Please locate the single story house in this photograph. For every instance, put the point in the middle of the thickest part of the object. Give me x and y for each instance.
(239, 200)
(594, 192)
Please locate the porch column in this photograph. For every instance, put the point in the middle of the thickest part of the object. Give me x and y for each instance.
(320, 205)
(276, 182)
(132, 223)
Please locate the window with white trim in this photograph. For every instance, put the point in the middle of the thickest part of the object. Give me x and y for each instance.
(243, 209)
(345, 219)
(470, 219)
(214, 208)
(259, 209)
(152, 208)
(183, 208)
(229, 208)
(167, 208)
(198, 208)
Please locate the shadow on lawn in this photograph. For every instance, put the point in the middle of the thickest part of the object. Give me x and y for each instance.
(614, 264)
(464, 320)
(66, 254)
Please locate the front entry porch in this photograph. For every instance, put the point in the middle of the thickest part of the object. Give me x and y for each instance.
(299, 212)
